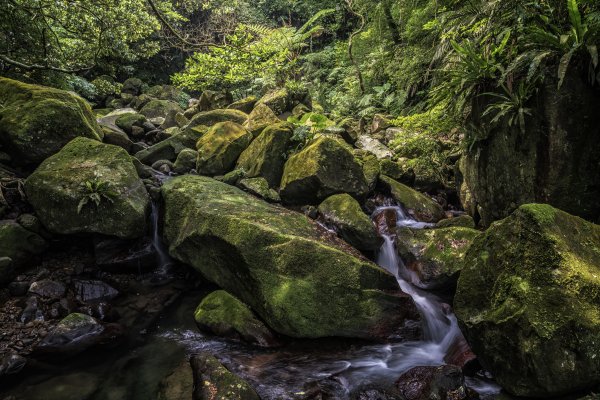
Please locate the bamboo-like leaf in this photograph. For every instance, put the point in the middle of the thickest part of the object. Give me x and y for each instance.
(563, 66)
(593, 50)
(575, 18)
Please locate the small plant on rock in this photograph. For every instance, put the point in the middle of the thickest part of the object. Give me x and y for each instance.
(95, 191)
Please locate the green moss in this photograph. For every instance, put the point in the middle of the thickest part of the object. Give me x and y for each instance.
(159, 108)
(215, 382)
(244, 105)
(210, 118)
(220, 147)
(58, 185)
(259, 187)
(186, 161)
(260, 118)
(529, 301)
(128, 120)
(417, 204)
(170, 148)
(278, 262)
(265, 156)
(325, 167)
(345, 213)
(20, 246)
(466, 221)
(37, 121)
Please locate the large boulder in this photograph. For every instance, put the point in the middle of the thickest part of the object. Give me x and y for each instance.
(89, 187)
(279, 101)
(245, 105)
(435, 255)
(266, 154)
(277, 261)
(353, 225)
(220, 147)
(37, 121)
(260, 118)
(373, 146)
(528, 300)
(225, 315)
(18, 246)
(159, 108)
(210, 118)
(325, 167)
(554, 160)
(171, 147)
(418, 205)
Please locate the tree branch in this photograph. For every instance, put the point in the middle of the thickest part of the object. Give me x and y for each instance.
(30, 67)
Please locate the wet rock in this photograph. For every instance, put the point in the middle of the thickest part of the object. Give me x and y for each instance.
(37, 121)
(420, 206)
(353, 225)
(89, 291)
(12, 364)
(378, 394)
(73, 386)
(48, 289)
(326, 166)
(528, 304)
(279, 263)
(130, 255)
(213, 381)
(425, 383)
(18, 289)
(73, 334)
(225, 315)
(57, 188)
(179, 385)
(220, 147)
(32, 311)
(465, 221)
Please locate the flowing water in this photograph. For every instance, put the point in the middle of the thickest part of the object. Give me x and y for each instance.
(163, 258)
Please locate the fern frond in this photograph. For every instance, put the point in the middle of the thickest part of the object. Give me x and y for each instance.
(314, 19)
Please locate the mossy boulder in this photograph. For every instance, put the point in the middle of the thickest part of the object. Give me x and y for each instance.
(465, 221)
(128, 120)
(528, 301)
(260, 118)
(19, 246)
(159, 108)
(186, 161)
(212, 381)
(37, 121)
(245, 105)
(57, 187)
(278, 100)
(169, 92)
(370, 165)
(225, 315)
(299, 281)
(259, 187)
(325, 167)
(133, 86)
(435, 255)
(170, 148)
(220, 147)
(265, 156)
(210, 118)
(418, 205)
(353, 225)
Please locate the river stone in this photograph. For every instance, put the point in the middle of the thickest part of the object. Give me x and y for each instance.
(225, 315)
(73, 334)
(18, 247)
(418, 205)
(93, 291)
(127, 121)
(159, 108)
(220, 147)
(56, 188)
(528, 301)
(260, 118)
(466, 221)
(266, 154)
(37, 121)
(186, 161)
(325, 167)
(215, 382)
(352, 224)
(435, 255)
(445, 382)
(278, 262)
(210, 118)
(170, 148)
(48, 289)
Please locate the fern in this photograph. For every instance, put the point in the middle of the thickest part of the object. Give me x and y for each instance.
(95, 191)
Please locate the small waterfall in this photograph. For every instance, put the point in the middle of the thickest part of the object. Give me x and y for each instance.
(164, 261)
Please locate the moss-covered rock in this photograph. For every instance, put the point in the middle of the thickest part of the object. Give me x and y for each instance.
(466, 221)
(260, 118)
(325, 167)
(259, 187)
(19, 245)
(220, 147)
(352, 224)
(435, 255)
(225, 315)
(170, 148)
(168, 92)
(159, 108)
(186, 161)
(57, 187)
(210, 118)
(277, 261)
(421, 207)
(245, 105)
(399, 171)
(37, 121)
(278, 100)
(370, 165)
(266, 154)
(128, 120)
(528, 300)
(212, 381)
(133, 86)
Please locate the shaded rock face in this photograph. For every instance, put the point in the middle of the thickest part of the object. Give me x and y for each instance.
(170, 148)
(225, 315)
(57, 187)
(159, 108)
(75, 333)
(325, 167)
(441, 383)
(213, 381)
(277, 261)
(18, 246)
(354, 226)
(420, 206)
(220, 147)
(37, 121)
(555, 161)
(528, 300)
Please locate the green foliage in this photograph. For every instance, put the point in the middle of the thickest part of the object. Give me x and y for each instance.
(94, 192)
